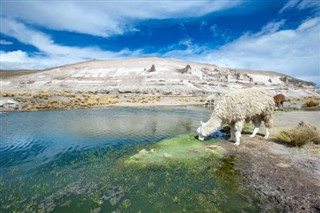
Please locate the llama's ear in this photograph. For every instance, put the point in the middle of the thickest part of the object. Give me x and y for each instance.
(201, 123)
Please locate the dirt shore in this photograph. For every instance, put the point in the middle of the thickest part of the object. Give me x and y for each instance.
(287, 176)
(43, 101)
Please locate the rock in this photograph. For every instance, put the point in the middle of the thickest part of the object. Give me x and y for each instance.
(152, 68)
(113, 195)
(167, 156)
(283, 165)
(8, 104)
(143, 151)
(185, 70)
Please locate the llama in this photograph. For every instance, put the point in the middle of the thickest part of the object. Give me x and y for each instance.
(278, 100)
(237, 107)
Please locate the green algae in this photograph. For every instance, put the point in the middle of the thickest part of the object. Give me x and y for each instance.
(101, 182)
(185, 149)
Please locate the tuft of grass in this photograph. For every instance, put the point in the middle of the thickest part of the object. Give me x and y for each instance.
(304, 133)
(311, 102)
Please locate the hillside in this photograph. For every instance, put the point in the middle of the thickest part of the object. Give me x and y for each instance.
(155, 76)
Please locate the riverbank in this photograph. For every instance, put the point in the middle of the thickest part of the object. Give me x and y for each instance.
(288, 176)
(51, 101)
(44, 101)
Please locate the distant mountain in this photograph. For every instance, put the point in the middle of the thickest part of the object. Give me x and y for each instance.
(152, 76)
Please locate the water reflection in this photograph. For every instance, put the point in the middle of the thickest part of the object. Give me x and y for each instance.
(40, 137)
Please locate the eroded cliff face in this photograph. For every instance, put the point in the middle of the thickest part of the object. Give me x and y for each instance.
(155, 76)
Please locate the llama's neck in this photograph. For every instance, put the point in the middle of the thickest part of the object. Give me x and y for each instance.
(213, 124)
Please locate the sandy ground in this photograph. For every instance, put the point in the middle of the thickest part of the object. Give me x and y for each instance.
(287, 176)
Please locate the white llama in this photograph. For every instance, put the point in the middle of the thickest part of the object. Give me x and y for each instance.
(237, 107)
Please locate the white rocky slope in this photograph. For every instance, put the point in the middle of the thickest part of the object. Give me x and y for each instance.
(153, 76)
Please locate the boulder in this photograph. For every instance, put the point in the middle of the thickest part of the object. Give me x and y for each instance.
(8, 104)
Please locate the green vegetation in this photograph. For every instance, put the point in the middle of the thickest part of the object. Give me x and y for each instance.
(304, 133)
(101, 182)
(184, 149)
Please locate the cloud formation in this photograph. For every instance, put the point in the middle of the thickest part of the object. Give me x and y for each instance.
(105, 18)
(300, 5)
(294, 52)
(50, 54)
(5, 42)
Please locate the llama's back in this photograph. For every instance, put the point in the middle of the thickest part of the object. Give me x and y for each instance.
(244, 104)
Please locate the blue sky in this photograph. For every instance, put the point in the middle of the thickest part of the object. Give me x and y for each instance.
(276, 35)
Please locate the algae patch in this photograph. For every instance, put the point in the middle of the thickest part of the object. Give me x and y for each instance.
(180, 149)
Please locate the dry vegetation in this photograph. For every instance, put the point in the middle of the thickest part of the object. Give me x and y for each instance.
(310, 102)
(304, 133)
(60, 100)
(36, 101)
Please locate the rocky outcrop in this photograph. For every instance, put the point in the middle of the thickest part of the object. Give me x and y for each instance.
(187, 69)
(152, 68)
(8, 104)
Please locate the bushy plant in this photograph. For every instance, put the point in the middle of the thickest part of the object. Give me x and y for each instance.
(304, 133)
(311, 102)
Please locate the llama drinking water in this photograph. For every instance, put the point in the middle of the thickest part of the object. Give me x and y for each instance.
(237, 107)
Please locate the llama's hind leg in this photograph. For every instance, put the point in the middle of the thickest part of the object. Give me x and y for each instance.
(257, 123)
(232, 137)
(238, 126)
(268, 123)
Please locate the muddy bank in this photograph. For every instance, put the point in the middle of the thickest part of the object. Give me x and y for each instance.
(288, 177)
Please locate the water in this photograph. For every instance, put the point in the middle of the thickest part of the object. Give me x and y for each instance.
(72, 161)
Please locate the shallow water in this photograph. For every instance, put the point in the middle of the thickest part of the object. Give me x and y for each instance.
(71, 161)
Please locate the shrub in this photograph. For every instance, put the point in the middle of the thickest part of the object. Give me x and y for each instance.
(311, 102)
(304, 133)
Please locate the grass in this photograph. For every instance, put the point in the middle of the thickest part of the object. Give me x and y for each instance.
(304, 133)
(183, 149)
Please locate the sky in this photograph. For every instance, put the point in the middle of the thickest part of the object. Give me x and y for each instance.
(272, 35)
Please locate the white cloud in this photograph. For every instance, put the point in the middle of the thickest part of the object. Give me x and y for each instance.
(294, 52)
(272, 27)
(300, 5)
(5, 42)
(21, 60)
(50, 54)
(291, 4)
(105, 18)
(14, 56)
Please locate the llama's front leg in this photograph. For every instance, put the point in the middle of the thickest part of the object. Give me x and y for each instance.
(257, 123)
(238, 129)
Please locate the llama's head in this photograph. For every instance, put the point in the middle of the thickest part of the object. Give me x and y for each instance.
(205, 130)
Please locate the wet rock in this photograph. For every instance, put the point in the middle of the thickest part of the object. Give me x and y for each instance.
(96, 210)
(167, 156)
(113, 195)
